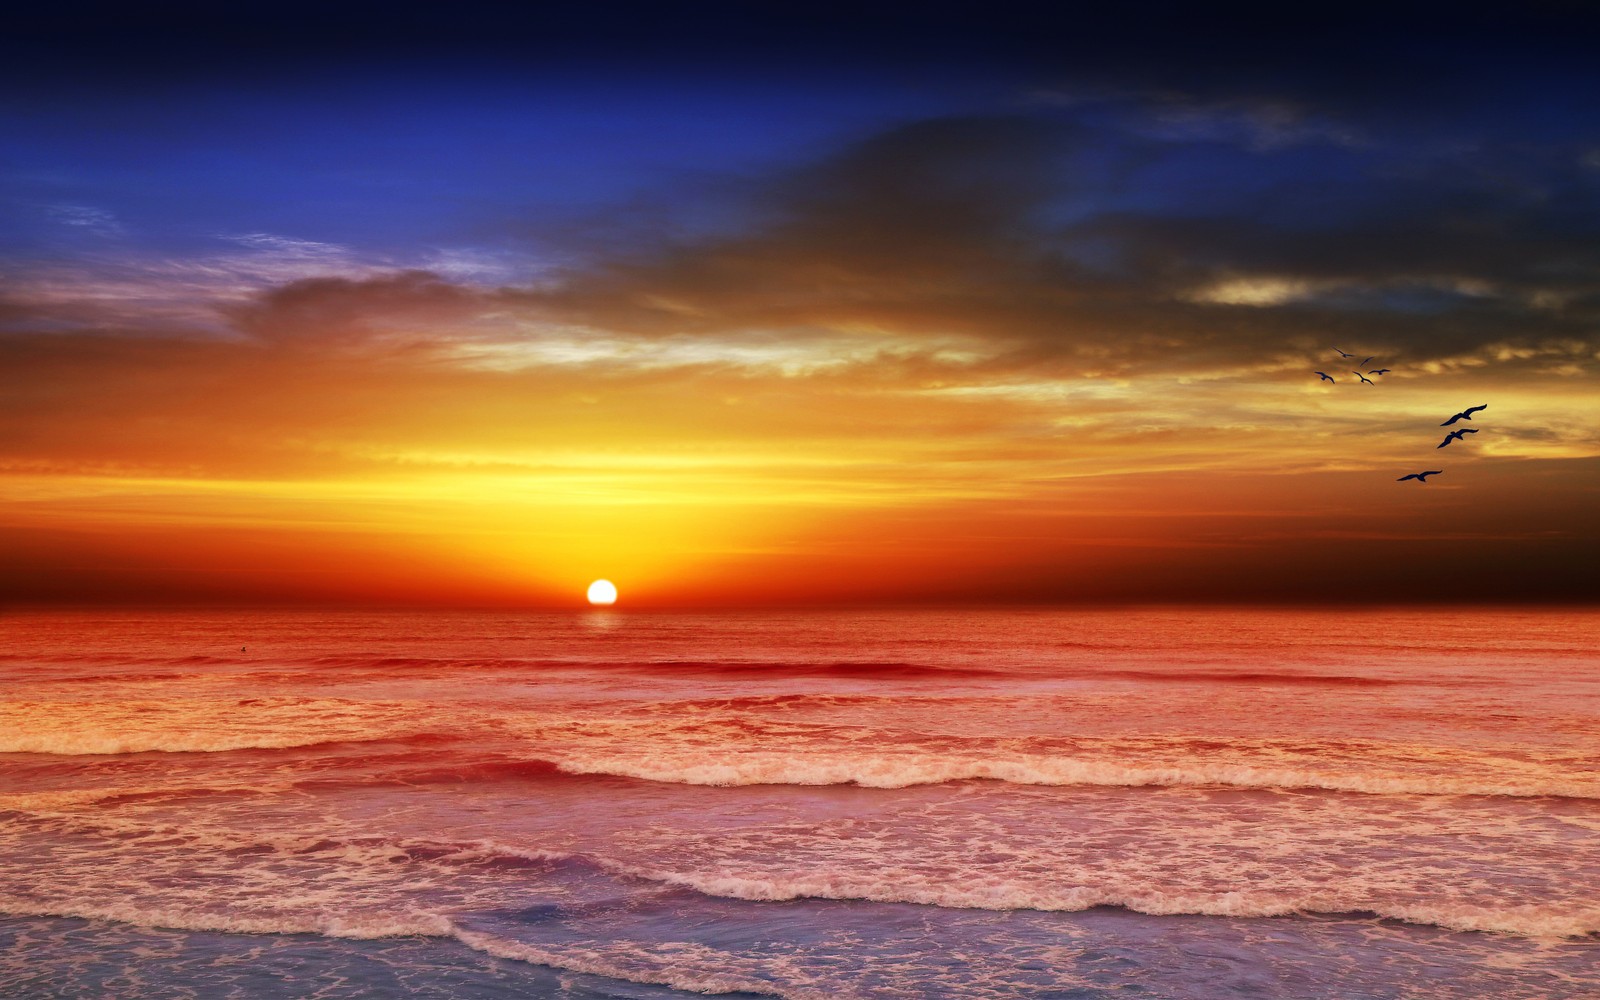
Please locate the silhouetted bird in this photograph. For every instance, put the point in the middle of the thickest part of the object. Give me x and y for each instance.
(1343, 354)
(1456, 435)
(1465, 414)
(1381, 371)
(1326, 377)
(1363, 378)
(1420, 477)
(1368, 361)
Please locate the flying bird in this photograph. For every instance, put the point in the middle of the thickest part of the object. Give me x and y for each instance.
(1465, 414)
(1381, 371)
(1363, 378)
(1343, 354)
(1326, 377)
(1420, 477)
(1368, 361)
(1457, 435)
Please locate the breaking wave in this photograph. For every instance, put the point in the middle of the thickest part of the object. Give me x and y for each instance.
(1535, 920)
(684, 971)
(904, 770)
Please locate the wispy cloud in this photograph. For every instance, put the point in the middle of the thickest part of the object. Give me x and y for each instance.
(98, 221)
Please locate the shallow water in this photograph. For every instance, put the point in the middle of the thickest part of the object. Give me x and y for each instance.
(1161, 803)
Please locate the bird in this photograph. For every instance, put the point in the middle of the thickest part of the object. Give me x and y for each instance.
(1381, 371)
(1343, 354)
(1465, 414)
(1420, 477)
(1363, 378)
(1368, 361)
(1326, 377)
(1456, 435)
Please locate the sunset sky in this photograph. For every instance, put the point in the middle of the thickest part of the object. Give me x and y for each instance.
(730, 309)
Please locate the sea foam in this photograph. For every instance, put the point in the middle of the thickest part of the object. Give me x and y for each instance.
(900, 770)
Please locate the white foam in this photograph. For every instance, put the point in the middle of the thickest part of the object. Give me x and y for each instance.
(681, 965)
(690, 966)
(357, 926)
(905, 769)
(878, 883)
(1526, 920)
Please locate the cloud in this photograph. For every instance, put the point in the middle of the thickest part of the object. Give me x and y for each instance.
(1051, 242)
(132, 288)
(325, 313)
(98, 221)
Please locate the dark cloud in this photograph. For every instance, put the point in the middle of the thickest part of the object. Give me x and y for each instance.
(912, 219)
(321, 313)
(955, 226)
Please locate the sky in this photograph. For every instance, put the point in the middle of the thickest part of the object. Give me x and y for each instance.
(324, 306)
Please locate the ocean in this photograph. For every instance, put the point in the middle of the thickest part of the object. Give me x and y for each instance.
(1153, 803)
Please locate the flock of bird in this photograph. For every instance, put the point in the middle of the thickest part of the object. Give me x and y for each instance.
(1456, 435)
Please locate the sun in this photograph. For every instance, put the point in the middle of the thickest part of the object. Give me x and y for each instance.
(602, 592)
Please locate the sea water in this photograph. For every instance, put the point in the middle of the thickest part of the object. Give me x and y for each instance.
(1176, 802)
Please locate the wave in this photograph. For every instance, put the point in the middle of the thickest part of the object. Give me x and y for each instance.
(466, 772)
(81, 744)
(905, 770)
(868, 771)
(26, 802)
(64, 801)
(1524, 920)
(687, 967)
(686, 970)
(111, 726)
(864, 669)
(1238, 677)
(338, 925)
(1548, 920)
(104, 659)
(875, 669)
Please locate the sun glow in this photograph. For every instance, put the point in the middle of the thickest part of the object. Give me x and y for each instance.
(602, 592)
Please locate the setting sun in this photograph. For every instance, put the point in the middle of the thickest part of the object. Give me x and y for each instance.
(602, 592)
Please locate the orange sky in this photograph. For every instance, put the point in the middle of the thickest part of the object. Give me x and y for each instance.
(1054, 350)
(862, 466)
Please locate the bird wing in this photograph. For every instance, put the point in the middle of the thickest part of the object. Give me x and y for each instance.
(1447, 439)
(1452, 420)
(1466, 430)
(1475, 409)
(1404, 478)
